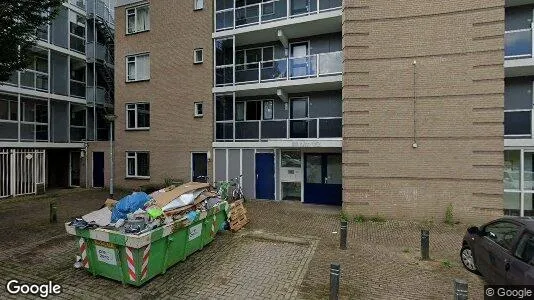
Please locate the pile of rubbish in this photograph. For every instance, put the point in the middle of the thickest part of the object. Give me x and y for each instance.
(139, 212)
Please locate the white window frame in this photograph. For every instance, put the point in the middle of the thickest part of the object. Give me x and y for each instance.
(196, 114)
(262, 60)
(135, 109)
(133, 154)
(135, 56)
(132, 11)
(201, 50)
(196, 5)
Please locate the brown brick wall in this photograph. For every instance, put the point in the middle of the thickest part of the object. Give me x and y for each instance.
(175, 84)
(458, 47)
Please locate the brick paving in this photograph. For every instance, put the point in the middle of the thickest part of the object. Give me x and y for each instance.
(284, 253)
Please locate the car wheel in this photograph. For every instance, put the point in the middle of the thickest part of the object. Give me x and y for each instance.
(468, 260)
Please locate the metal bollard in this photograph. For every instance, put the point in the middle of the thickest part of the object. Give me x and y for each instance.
(460, 289)
(425, 244)
(343, 235)
(53, 212)
(335, 271)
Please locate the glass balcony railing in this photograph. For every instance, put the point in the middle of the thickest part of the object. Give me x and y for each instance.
(518, 44)
(323, 64)
(98, 51)
(267, 11)
(101, 10)
(78, 3)
(34, 80)
(308, 128)
(77, 89)
(97, 95)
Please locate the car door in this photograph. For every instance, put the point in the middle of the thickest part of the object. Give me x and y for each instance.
(521, 266)
(493, 250)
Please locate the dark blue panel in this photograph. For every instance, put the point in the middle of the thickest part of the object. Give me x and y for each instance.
(265, 176)
(317, 190)
(98, 169)
(517, 122)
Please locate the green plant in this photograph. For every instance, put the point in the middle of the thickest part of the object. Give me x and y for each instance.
(343, 216)
(360, 219)
(449, 217)
(377, 219)
(446, 263)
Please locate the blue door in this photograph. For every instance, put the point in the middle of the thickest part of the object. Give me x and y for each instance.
(98, 169)
(265, 176)
(322, 178)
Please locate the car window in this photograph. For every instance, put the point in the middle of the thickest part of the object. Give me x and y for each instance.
(525, 248)
(502, 233)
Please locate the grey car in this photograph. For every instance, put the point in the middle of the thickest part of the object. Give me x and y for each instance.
(502, 251)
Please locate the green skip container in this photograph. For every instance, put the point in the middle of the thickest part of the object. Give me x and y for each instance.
(135, 259)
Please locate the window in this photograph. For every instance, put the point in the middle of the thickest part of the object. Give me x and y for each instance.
(199, 56)
(138, 116)
(503, 233)
(240, 111)
(138, 67)
(199, 112)
(249, 59)
(8, 109)
(518, 103)
(77, 32)
(525, 248)
(138, 19)
(253, 110)
(199, 4)
(138, 164)
(268, 110)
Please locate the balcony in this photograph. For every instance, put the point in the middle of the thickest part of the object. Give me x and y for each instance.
(227, 18)
(98, 51)
(96, 94)
(99, 9)
(291, 69)
(264, 130)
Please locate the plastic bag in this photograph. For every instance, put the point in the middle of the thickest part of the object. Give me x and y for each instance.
(128, 204)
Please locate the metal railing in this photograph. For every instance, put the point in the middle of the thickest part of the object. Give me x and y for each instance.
(262, 130)
(323, 64)
(269, 11)
(518, 43)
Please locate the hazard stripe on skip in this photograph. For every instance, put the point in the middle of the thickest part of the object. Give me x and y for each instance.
(131, 264)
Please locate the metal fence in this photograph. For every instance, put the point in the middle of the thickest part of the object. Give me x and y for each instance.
(21, 171)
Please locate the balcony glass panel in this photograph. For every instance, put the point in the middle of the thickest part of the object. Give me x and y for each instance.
(303, 66)
(27, 132)
(273, 10)
(224, 75)
(303, 129)
(518, 43)
(247, 73)
(77, 134)
(274, 70)
(247, 15)
(224, 131)
(274, 129)
(77, 44)
(9, 131)
(329, 128)
(330, 63)
(224, 19)
(249, 130)
(13, 79)
(517, 123)
(41, 133)
(34, 80)
(79, 3)
(77, 89)
(329, 4)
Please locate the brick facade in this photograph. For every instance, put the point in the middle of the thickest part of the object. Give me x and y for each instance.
(175, 84)
(459, 88)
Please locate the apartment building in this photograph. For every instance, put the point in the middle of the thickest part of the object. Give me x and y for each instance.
(52, 114)
(385, 107)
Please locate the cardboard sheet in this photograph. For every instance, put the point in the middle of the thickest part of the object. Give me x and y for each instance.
(164, 198)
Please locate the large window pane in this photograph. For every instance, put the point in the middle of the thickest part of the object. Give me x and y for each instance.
(224, 131)
(528, 171)
(512, 170)
(224, 50)
(518, 93)
(224, 107)
(333, 169)
(518, 43)
(299, 108)
(143, 115)
(528, 211)
(143, 164)
(314, 169)
(516, 123)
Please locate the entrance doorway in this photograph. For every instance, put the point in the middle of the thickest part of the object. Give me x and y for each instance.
(265, 176)
(322, 178)
(98, 169)
(199, 167)
(74, 168)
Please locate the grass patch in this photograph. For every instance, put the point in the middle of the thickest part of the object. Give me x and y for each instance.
(377, 219)
(344, 216)
(446, 263)
(360, 219)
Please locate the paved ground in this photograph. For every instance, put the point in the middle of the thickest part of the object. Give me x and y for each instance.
(285, 252)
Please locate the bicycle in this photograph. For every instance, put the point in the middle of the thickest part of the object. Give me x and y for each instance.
(223, 188)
